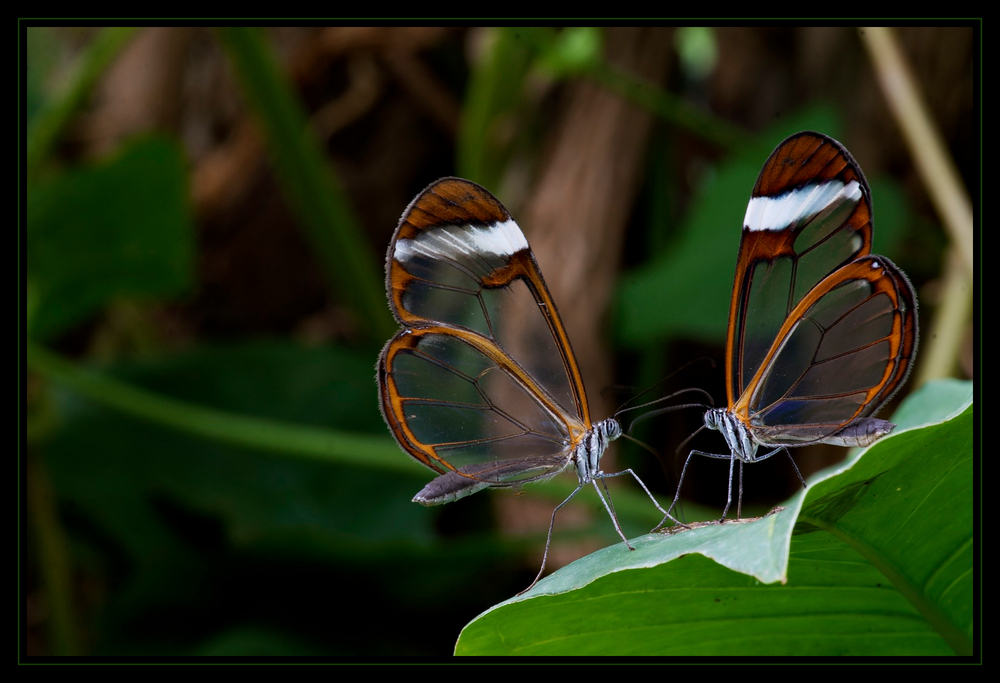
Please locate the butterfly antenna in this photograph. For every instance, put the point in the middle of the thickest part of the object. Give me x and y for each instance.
(685, 441)
(704, 393)
(659, 383)
(660, 411)
(641, 444)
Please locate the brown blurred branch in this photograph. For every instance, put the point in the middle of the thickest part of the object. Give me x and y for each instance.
(371, 55)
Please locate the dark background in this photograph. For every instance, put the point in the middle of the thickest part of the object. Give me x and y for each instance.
(184, 239)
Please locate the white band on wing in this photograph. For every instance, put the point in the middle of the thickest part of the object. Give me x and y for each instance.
(796, 206)
(495, 239)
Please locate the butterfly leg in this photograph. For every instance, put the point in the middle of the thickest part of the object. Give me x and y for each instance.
(795, 466)
(666, 513)
(677, 495)
(789, 454)
(548, 539)
(739, 501)
(609, 507)
(680, 481)
(729, 489)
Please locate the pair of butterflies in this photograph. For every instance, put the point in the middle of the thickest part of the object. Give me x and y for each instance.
(481, 384)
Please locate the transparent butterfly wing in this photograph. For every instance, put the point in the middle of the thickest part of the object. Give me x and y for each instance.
(481, 382)
(806, 348)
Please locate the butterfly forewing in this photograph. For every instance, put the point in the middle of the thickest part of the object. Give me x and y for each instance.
(459, 258)
(482, 380)
(809, 214)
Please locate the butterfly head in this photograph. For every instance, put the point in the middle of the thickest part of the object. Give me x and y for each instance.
(611, 427)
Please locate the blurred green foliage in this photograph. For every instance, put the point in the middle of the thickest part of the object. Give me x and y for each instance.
(190, 533)
(326, 216)
(118, 229)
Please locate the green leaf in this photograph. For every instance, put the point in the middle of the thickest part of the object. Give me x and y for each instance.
(697, 49)
(874, 558)
(263, 380)
(160, 496)
(118, 229)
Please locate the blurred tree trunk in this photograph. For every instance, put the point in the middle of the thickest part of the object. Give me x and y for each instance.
(576, 219)
(584, 196)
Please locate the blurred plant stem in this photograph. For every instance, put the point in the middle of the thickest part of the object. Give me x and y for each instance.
(669, 107)
(944, 186)
(61, 107)
(948, 329)
(48, 541)
(930, 155)
(665, 105)
(50, 546)
(326, 445)
(496, 84)
(311, 188)
(251, 432)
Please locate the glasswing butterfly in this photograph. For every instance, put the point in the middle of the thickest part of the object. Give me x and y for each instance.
(481, 384)
(821, 332)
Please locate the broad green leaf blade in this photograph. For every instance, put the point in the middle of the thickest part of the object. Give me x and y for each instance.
(908, 510)
(894, 520)
(929, 406)
(834, 604)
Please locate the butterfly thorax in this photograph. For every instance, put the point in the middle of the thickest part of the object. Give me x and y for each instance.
(588, 452)
(738, 437)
